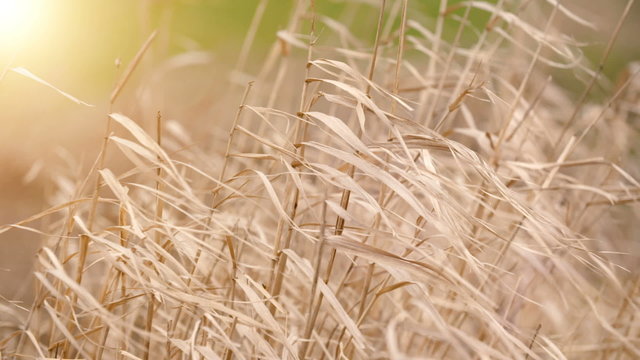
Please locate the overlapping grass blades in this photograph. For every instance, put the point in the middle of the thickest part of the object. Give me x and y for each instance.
(397, 196)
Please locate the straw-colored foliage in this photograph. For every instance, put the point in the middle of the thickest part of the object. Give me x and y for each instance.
(426, 190)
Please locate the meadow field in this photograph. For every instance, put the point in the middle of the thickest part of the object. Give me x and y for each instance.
(319, 179)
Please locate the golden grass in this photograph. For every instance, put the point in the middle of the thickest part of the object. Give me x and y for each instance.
(394, 197)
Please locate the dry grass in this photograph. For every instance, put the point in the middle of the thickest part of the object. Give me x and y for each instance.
(399, 196)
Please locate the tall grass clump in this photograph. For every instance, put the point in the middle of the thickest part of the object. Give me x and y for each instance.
(394, 183)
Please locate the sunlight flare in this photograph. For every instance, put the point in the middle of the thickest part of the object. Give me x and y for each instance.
(17, 18)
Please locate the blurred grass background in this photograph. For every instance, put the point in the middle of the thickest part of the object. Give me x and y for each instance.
(75, 44)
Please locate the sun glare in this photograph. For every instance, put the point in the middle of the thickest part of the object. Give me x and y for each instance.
(17, 17)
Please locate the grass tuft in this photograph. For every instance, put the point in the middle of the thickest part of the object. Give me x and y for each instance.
(392, 196)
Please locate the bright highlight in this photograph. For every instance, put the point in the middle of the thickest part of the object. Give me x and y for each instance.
(17, 17)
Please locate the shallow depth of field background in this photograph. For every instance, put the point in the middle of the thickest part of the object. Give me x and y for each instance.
(76, 46)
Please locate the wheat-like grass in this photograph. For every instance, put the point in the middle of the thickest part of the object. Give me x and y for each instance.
(400, 196)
